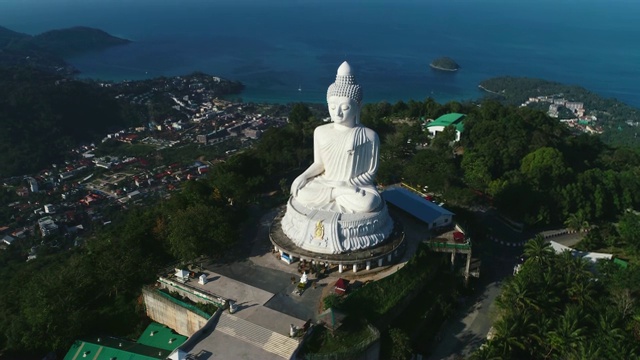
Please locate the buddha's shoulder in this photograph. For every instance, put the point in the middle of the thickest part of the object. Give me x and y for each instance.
(328, 129)
(369, 133)
(324, 129)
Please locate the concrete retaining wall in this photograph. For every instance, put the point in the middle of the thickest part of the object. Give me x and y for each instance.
(164, 311)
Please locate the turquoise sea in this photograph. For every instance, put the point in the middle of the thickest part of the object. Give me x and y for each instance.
(289, 50)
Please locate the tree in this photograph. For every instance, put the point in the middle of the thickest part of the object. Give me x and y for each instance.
(576, 222)
(445, 138)
(430, 168)
(200, 230)
(629, 229)
(299, 114)
(568, 336)
(477, 170)
(513, 335)
(538, 250)
(401, 344)
(517, 294)
(331, 301)
(544, 167)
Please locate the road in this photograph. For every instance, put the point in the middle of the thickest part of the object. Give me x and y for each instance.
(467, 330)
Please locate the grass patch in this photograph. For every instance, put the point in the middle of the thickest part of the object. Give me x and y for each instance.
(350, 339)
(375, 299)
(208, 308)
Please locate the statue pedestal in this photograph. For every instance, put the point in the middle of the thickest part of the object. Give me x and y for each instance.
(328, 232)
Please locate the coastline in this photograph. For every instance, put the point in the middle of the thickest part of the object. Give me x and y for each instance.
(443, 69)
(489, 91)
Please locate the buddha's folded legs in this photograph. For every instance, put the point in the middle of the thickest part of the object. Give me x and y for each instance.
(314, 195)
(359, 202)
(318, 195)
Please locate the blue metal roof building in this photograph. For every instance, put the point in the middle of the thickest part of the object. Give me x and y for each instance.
(419, 207)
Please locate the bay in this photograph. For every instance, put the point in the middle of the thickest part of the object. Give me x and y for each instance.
(289, 50)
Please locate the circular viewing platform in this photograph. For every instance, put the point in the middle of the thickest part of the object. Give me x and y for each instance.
(383, 254)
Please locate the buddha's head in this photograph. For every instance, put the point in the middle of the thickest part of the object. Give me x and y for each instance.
(344, 97)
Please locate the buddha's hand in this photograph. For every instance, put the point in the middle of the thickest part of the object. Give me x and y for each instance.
(298, 184)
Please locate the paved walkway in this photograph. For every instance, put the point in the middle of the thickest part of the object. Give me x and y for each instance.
(261, 284)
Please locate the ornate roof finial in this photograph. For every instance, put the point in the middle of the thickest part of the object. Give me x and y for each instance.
(345, 84)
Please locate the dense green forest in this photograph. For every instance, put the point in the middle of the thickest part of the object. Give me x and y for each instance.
(612, 114)
(42, 116)
(562, 307)
(525, 163)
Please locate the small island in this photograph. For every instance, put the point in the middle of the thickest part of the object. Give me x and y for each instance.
(444, 64)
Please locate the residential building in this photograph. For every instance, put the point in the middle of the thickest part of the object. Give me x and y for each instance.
(453, 119)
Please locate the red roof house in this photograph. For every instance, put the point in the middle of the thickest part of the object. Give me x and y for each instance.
(458, 237)
(341, 286)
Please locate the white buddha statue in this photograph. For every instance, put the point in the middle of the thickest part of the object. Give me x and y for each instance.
(345, 155)
(334, 205)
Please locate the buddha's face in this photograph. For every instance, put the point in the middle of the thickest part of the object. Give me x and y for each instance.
(343, 110)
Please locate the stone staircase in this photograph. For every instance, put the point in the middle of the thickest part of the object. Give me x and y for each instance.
(256, 335)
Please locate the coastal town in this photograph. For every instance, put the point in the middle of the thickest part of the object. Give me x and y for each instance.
(571, 113)
(55, 208)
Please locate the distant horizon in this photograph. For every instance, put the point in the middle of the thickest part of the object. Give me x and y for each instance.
(276, 47)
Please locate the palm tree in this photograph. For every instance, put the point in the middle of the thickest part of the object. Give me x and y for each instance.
(568, 334)
(577, 222)
(608, 326)
(550, 287)
(516, 335)
(486, 352)
(636, 326)
(587, 350)
(573, 222)
(516, 294)
(573, 268)
(538, 250)
(581, 292)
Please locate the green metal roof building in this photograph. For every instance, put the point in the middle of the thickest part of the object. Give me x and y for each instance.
(452, 119)
(156, 342)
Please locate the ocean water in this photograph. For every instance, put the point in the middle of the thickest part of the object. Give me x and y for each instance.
(289, 50)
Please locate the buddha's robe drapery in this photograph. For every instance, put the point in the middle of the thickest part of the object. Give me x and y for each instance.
(350, 160)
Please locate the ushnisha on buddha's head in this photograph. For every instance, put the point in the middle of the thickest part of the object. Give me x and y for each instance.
(344, 97)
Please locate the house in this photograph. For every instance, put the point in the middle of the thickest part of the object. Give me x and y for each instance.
(7, 239)
(252, 133)
(156, 342)
(433, 215)
(22, 191)
(341, 286)
(203, 169)
(47, 226)
(182, 275)
(453, 119)
(133, 194)
(49, 209)
(33, 185)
